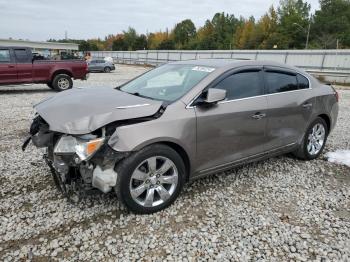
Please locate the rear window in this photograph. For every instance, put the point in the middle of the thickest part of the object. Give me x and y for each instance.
(303, 82)
(5, 55)
(21, 55)
(278, 82)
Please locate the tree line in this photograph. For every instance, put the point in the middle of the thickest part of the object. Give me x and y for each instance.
(290, 25)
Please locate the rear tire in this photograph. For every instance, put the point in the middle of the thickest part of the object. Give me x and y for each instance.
(142, 184)
(62, 82)
(314, 140)
(107, 69)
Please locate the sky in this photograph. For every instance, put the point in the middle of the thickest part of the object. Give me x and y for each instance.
(40, 20)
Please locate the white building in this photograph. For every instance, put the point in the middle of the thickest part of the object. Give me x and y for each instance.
(48, 48)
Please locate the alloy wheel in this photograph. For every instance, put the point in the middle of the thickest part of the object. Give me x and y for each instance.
(154, 181)
(316, 139)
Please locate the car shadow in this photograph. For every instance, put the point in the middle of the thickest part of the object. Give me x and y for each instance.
(22, 91)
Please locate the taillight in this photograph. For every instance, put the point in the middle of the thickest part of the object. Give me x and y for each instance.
(336, 94)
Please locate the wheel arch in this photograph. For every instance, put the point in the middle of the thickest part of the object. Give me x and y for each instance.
(61, 71)
(327, 119)
(182, 153)
(178, 148)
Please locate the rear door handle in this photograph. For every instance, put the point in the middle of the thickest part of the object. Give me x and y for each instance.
(11, 66)
(258, 116)
(307, 105)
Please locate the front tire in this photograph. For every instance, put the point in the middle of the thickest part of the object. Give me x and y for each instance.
(314, 140)
(107, 69)
(150, 179)
(62, 82)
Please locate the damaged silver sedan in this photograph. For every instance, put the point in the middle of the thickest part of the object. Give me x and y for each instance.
(179, 122)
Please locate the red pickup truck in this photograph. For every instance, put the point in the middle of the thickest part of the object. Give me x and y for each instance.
(19, 66)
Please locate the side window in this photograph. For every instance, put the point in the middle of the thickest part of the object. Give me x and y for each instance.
(278, 82)
(303, 82)
(21, 55)
(5, 55)
(242, 85)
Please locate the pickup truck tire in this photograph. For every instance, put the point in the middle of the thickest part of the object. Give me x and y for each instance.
(62, 82)
(107, 69)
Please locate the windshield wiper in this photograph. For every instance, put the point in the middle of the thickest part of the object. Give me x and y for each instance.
(139, 95)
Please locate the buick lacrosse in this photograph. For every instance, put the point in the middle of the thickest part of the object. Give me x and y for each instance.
(178, 122)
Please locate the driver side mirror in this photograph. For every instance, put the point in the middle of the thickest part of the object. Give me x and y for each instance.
(211, 96)
(215, 95)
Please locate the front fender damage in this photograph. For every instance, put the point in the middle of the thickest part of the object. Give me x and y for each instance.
(74, 177)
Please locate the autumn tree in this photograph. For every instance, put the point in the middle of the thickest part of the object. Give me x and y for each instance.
(266, 36)
(244, 36)
(155, 39)
(206, 39)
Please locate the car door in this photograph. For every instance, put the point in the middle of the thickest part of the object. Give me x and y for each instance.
(290, 105)
(8, 71)
(233, 129)
(92, 65)
(24, 65)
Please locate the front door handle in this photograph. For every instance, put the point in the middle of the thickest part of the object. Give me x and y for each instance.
(258, 115)
(307, 105)
(11, 66)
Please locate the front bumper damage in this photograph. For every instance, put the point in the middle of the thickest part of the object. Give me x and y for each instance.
(73, 176)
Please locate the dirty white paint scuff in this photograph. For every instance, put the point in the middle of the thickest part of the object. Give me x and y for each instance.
(339, 157)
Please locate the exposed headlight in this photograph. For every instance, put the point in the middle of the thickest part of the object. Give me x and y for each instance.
(83, 148)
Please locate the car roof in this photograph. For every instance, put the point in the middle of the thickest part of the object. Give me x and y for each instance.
(232, 63)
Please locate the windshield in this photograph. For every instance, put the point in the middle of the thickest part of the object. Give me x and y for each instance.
(168, 82)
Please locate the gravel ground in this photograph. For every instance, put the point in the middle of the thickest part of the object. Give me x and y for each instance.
(279, 209)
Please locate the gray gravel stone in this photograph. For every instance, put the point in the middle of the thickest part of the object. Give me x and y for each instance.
(267, 211)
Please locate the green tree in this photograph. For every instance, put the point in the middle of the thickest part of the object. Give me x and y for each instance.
(224, 27)
(141, 42)
(130, 38)
(183, 32)
(84, 46)
(206, 39)
(167, 44)
(119, 44)
(331, 23)
(293, 21)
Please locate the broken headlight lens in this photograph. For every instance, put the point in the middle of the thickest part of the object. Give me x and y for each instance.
(83, 148)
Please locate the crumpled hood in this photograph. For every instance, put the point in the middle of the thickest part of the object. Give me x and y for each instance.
(83, 110)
